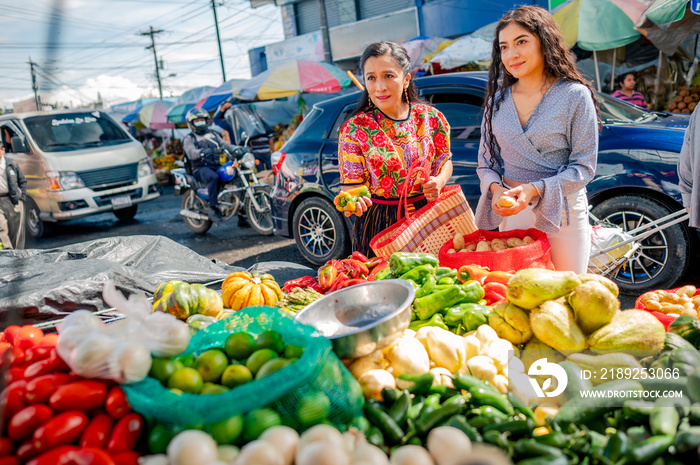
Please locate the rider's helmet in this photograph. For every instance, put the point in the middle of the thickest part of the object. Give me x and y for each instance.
(198, 120)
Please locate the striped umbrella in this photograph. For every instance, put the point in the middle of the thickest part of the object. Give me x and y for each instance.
(185, 103)
(221, 93)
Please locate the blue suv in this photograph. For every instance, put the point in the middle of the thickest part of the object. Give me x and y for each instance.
(635, 183)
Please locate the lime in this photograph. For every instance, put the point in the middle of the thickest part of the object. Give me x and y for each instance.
(239, 346)
(210, 364)
(163, 368)
(235, 375)
(270, 340)
(258, 420)
(271, 366)
(313, 408)
(186, 360)
(186, 380)
(227, 431)
(292, 351)
(258, 359)
(159, 439)
(211, 388)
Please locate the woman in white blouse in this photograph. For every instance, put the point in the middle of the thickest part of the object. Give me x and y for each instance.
(539, 140)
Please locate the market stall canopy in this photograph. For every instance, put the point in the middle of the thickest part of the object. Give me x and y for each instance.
(185, 103)
(154, 115)
(294, 77)
(221, 93)
(666, 23)
(599, 24)
(421, 46)
(464, 50)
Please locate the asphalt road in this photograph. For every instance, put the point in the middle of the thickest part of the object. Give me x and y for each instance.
(226, 242)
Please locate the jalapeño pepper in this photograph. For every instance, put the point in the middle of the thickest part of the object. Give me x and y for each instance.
(419, 274)
(649, 449)
(520, 406)
(379, 418)
(460, 422)
(427, 287)
(429, 421)
(429, 305)
(401, 262)
(346, 201)
(435, 320)
(399, 411)
(421, 383)
(616, 448)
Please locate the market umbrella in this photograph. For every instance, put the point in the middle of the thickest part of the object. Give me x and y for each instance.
(293, 77)
(464, 50)
(420, 46)
(221, 93)
(154, 115)
(666, 23)
(185, 103)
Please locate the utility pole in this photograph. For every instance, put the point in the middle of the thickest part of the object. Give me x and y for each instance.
(324, 32)
(152, 33)
(218, 40)
(35, 88)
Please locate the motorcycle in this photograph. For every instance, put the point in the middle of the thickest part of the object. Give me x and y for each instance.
(240, 188)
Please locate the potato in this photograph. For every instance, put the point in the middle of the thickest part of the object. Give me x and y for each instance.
(483, 246)
(458, 242)
(670, 297)
(452, 251)
(672, 308)
(688, 290)
(470, 247)
(505, 201)
(528, 240)
(514, 242)
(653, 305)
(498, 244)
(690, 312)
(696, 301)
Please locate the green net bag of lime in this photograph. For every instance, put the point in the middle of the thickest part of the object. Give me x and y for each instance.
(257, 361)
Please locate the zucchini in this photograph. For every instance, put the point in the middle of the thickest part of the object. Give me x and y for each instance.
(687, 327)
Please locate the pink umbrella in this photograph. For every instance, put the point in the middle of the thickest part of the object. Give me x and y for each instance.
(204, 98)
(154, 115)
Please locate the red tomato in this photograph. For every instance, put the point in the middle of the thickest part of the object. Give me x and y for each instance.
(12, 375)
(80, 395)
(97, 432)
(12, 399)
(116, 404)
(57, 362)
(62, 429)
(26, 451)
(13, 357)
(89, 456)
(4, 346)
(28, 336)
(129, 457)
(34, 354)
(9, 461)
(40, 388)
(28, 419)
(42, 367)
(57, 456)
(6, 447)
(49, 340)
(10, 333)
(125, 434)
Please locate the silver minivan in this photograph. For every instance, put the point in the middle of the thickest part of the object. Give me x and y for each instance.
(77, 163)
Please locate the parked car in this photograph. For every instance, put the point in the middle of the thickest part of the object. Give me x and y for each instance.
(635, 182)
(77, 163)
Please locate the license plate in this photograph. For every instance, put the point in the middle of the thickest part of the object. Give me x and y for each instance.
(121, 202)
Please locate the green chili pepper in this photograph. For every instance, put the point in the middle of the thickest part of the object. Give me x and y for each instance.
(469, 382)
(488, 411)
(497, 439)
(389, 396)
(430, 420)
(649, 449)
(427, 287)
(616, 448)
(687, 440)
(516, 428)
(379, 418)
(429, 305)
(444, 391)
(432, 402)
(637, 434)
(435, 320)
(375, 436)
(460, 422)
(555, 438)
(419, 274)
(399, 411)
(546, 460)
(520, 406)
(483, 396)
(445, 272)
(447, 280)
(474, 292)
(530, 448)
(421, 383)
(401, 262)
(415, 408)
(383, 274)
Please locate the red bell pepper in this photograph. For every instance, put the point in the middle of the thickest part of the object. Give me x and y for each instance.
(61, 430)
(28, 419)
(359, 256)
(472, 272)
(125, 433)
(80, 395)
(128, 457)
(97, 431)
(354, 268)
(116, 404)
(90, 455)
(304, 281)
(498, 288)
(5, 447)
(379, 267)
(351, 282)
(40, 388)
(327, 276)
(498, 277)
(374, 261)
(341, 278)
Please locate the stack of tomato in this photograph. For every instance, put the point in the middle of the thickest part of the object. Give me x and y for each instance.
(51, 416)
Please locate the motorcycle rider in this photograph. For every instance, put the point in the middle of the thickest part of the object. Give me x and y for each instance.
(201, 149)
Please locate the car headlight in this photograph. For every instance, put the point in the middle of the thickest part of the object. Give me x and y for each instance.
(248, 161)
(145, 168)
(64, 180)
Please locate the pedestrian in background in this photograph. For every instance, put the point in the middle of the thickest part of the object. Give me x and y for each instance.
(13, 192)
(390, 129)
(539, 137)
(626, 92)
(689, 171)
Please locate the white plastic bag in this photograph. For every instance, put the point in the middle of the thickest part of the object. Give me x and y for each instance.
(604, 238)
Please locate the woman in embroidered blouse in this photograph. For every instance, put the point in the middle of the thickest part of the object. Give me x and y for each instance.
(391, 130)
(539, 139)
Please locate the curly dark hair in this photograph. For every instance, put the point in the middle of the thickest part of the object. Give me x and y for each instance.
(400, 55)
(559, 63)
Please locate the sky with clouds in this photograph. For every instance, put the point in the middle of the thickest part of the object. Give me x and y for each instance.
(97, 47)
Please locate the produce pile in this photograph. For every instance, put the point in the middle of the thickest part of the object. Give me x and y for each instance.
(685, 101)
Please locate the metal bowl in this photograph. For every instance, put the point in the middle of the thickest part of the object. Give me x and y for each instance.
(362, 318)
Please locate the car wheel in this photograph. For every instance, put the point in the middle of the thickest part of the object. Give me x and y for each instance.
(662, 257)
(35, 226)
(125, 214)
(319, 231)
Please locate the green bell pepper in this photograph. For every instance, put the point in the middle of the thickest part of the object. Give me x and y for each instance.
(447, 280)
(456, 315)
(429, 305)
(445, 272)
(435, 320)
(383, 274)
(427, 287)
(419, 274)
(402, 262)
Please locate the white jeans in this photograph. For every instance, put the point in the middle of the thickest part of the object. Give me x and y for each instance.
(571, 246)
